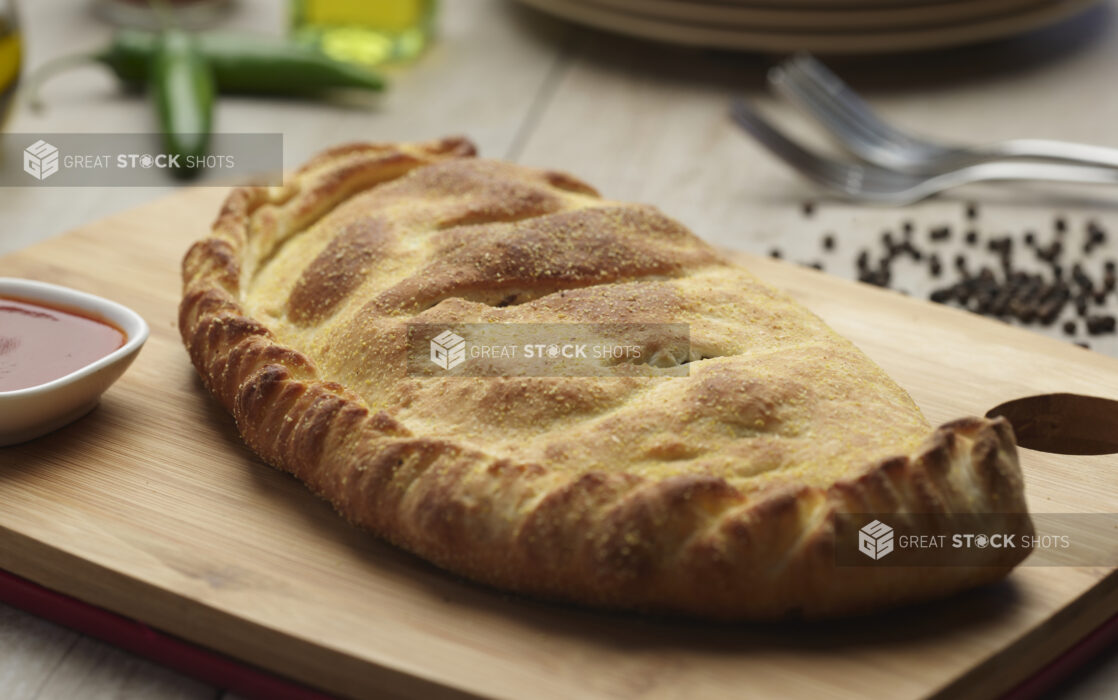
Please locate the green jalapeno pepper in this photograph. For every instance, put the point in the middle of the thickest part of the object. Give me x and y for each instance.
(182, 87)
(241, 63)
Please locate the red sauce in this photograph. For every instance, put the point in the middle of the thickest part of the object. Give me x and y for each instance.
(39, 344)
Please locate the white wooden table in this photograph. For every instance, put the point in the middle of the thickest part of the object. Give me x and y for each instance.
(641, 122)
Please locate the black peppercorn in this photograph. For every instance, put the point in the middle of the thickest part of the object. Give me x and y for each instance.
(941, 296)
(1098, 325)
(863, 259)
(1096, 234)
(1049, 312)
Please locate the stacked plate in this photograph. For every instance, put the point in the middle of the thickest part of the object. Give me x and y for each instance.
(821, 26)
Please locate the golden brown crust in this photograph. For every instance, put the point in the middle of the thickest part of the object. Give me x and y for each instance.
(721, 502)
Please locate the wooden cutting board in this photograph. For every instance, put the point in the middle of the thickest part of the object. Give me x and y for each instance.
(152, 508)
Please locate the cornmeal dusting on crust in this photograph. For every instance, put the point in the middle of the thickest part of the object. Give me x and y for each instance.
(712, 494)
(771, 403)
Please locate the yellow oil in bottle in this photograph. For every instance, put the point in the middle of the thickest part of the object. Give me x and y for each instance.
(10, 53)
(370, 32)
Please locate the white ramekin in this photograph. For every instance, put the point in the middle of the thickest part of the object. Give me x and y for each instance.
(28, 413)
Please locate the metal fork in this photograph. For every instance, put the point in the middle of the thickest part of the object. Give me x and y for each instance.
(880, 185)
(814, 88)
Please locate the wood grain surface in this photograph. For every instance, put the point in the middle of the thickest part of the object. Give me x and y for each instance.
(152, 507)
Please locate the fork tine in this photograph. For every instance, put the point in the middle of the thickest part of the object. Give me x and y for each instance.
(780, 145)
(871, 183)
(844, 100)
(819, 92)
(792, 83)
(845, 178)
(867, 137)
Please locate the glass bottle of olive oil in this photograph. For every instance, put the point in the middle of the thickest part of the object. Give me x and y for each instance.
(10, 54)
(370, 32)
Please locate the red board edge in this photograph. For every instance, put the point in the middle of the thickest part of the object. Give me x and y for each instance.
(224, 672)
(1061, 668)
(137, 638)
